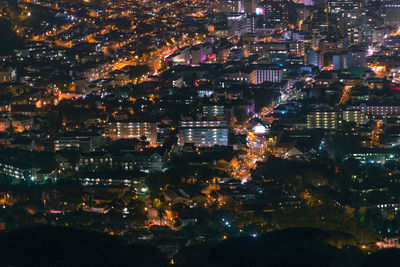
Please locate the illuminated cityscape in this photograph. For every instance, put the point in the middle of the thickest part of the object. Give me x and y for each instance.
(200, 133)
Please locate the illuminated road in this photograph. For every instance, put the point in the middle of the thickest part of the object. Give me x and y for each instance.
(257, 147)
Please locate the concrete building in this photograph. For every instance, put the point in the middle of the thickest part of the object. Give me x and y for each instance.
(328, 120)
(356, 116)
(213, 111)
(18, 170)
(203, 133)
(333, 120)
(314, 58)
(357, 59)
(268, 74)
(377, 111)
(340, 61)
(392, 14)
(338, 6)
(273, 13)
(148, 160)
(238, 23)
(129, 129)
(83, 144)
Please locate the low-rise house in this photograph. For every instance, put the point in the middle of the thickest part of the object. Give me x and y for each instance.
(148, 160)
(112, 178)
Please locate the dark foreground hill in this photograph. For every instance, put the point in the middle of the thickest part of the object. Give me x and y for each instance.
(58, 246)
(296, 247)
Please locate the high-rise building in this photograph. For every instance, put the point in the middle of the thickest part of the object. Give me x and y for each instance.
(238, 23)
(203, 133)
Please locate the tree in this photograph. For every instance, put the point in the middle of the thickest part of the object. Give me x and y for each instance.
(156, 182)
(137, 212)
(143, 138)
(241, 116)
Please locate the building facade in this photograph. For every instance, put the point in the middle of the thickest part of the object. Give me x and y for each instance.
(203, 133)
(259, 76)
(129, 129)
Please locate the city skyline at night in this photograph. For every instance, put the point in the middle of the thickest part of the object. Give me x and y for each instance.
(200, 133)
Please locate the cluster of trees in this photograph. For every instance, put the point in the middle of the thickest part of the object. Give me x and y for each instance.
(8, 38)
